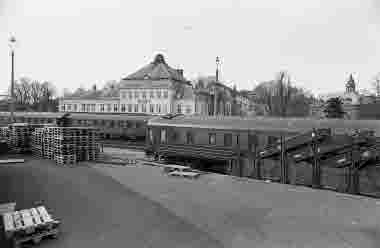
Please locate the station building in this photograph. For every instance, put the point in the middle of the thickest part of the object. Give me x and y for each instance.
(158, 89)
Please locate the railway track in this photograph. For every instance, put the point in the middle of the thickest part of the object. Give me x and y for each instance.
(123, 144)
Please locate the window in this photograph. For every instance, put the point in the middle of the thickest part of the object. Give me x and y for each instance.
(136, 94)
(151, 94)
(108, 107)
(158, 108)
(136, 108)
(166, 94)
(115, 108)
(68, 107)
(227, 139)
(151, 108)
(83, 107)
(165, 110)
(189, 138)
(272, 140)
(129, 107)
(123, 108)
(88, 107)
(101, 107)
(143, 108)
(163, 136)
(75, 108)
(159, 94)
(188, 109)
(93, 107)
(130, 94)
(150, 131)
(179, 108)
(144, 95)
(211, 139)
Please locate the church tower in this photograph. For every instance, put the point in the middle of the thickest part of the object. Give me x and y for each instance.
(350, 85)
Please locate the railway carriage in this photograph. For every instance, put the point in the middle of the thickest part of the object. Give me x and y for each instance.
(110, 125)
(309, 153)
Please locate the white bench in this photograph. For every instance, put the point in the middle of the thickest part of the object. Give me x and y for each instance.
(187, 174)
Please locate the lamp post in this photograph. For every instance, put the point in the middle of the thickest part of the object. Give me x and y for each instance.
(12, 43)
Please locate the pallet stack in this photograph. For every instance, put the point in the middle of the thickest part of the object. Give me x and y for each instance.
(37, 142)
(68, 145)
(19, 137)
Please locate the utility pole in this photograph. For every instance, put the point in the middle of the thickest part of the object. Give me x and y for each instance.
(12, 42)
(217, 81)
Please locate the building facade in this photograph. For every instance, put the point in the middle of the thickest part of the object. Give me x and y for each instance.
(158, 89)
(355, 104)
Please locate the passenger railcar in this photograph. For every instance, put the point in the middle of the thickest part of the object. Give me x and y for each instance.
(110, 125)
(310, 152)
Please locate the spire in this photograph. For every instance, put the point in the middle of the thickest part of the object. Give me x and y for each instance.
(350, 85)
(217, 69)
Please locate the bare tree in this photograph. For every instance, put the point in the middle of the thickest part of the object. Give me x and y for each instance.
(35, 92)
(376, 84)
(281, 98)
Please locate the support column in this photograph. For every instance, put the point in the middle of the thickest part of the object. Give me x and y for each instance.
(316, 176)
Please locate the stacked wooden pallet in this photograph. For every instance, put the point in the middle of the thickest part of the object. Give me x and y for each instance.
(29, 225)
(37, 142)
(19, 137)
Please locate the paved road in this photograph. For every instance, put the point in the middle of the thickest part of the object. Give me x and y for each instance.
(96, 210)
(244, 213)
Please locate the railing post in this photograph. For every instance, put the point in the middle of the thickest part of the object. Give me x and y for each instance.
(284, 164)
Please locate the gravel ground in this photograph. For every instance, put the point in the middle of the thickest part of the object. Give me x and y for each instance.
(248, 213)
(96, 210)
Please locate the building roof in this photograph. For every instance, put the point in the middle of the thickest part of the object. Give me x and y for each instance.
(286, 125)
(35, 114)
(125, 117)
(94, 94)
(157, 70)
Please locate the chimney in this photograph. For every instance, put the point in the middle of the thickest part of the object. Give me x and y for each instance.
(180, 72)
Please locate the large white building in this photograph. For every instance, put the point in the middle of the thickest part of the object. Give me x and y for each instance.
(155, 89)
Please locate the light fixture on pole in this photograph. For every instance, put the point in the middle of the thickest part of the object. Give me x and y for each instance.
(12, 45)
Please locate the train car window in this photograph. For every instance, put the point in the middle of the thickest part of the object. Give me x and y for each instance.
(163, 137)
(212, 138)
(253, 142)
(227, 139)
(272, 140)
(189, 138)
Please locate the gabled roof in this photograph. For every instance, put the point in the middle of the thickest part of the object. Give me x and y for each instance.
(157, 70)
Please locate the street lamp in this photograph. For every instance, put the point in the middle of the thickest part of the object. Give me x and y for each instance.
(12, 45)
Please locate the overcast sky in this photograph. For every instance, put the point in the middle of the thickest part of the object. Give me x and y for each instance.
(82, 42)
